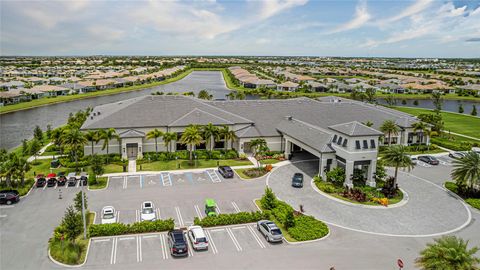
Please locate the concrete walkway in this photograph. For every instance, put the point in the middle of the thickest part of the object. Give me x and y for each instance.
(462, 135)
(32, 158)
(132, 166)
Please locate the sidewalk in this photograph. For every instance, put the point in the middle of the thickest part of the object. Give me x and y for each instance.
(32, 158)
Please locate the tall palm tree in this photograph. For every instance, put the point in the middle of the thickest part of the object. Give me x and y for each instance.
(74, 140)
(210, 133)
(203, 94)
(228, 135)
(192, 137)
(9, 167)
(92, 136)
(466, 172)
(390, 128)
(396, 156)
(23, 166)
(368, 123)
(168, 137)
(154, 134)
(448, 253)
(108, 135)
(421, 129)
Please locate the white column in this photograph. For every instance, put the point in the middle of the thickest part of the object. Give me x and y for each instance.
(322, 165)
(370, 173)
(348, 174)
(288, 147)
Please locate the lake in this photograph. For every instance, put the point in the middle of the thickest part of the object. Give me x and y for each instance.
(447, 105)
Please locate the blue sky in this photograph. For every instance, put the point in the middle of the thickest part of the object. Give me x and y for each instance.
(416, 28)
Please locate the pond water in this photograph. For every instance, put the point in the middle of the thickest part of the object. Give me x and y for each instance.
(447, 105)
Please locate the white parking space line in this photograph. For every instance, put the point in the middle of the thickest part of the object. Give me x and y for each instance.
(197, 210)
(237, 228)
(137, 215)
(3, 216)
(78, 183)
(163, 244)
(158, 213)
(126, 238)
(149, 236)
(113, 256)
(257, 238)
(139, 249)
(218, 209)
(101, 240)
(213, 176)
(118, 216)
(190, 250)
(56, 185)
(44, 187)
(218, 230)
(179, 216)
(125, 182)
(234, 239)
(235, 206)
(7, 206)
(212, 243)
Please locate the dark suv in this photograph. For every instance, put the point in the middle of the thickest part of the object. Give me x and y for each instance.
(225, 171)
(9, 196)
(177, 243)
(41, 181)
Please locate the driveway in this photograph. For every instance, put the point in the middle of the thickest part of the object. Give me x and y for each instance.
(430, 210)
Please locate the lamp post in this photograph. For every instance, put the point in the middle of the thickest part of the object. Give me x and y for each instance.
(83, 215)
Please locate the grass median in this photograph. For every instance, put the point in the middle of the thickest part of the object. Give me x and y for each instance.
(101, 183)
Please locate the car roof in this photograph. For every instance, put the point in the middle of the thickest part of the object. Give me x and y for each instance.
(198, 231)
(210, 203)
(72, 174)
(108, 208)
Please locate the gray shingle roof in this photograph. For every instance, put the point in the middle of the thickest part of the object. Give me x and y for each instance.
(355, 128)
(310, 135)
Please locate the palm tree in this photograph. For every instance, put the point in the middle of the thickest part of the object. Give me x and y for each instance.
(9, 167)
(390, 128)
(107, 136)
(422, 127)
(74, 140)
(192, 137)
(211, 132)
(368, 123)
(466, 172)
(154, 134)
(203, 94)
(168, 137)
(448, 253)
(396, 156)
(22, 168)
(257, 146)
(92, 136)
(228, 135)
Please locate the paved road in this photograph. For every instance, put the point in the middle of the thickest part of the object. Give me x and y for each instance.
(26, 227)
(423, 214)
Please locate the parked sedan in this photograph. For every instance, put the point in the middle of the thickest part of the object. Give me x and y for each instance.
(297, 180)
(413, 159)
(9, 196)
(270, 231)
(52, 180)
(61, 179)
(72, 180)
(83, 179)
(108, 215)
(177, 243)
(458, 155)
(147, 212)
(41, 181)
(429, 159)
(225, 171)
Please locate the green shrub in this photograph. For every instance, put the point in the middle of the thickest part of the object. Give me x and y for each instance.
(308, 228)
(269, 200)
(67, 252)
(475, 203)
(230, 219)
(452, 187)
(96, 230)
(280, 212)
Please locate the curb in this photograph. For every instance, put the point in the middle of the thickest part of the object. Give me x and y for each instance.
(250, 179)
(100, 189)
(300, 242)
(68, 265)
(390, 206)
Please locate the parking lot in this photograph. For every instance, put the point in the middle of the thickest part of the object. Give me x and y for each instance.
(444, 160)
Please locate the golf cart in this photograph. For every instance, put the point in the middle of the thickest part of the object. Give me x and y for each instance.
(210, 208)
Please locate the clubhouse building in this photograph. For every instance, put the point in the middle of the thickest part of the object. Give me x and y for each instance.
(330, 128)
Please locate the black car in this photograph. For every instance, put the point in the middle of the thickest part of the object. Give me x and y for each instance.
(61, 179)
(51, 182)
(429, 159)
(9, 196)
(297, 180)
(41, 181)
(83, 180)
(72, 181)
(177, 243)
(225, 171)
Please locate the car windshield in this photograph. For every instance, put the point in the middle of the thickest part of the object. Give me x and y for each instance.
(276, 232)
(108, 215)
(178, 237)
(201, 239)
(147, 211)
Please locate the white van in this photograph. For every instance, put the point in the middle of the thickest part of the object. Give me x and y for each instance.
(197, 237)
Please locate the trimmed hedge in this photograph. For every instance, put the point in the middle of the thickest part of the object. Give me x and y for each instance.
(184, 154)
(281, 211)
(307, 228)
(96, 230)
(230, 219)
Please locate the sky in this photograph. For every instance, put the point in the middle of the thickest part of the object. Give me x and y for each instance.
(382, 28)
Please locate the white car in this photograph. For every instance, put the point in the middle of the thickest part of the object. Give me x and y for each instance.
(108, 215)
(197, 237)
(148, 212)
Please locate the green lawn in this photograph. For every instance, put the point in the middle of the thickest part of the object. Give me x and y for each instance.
(101, 183)
(185, 164)
(458, 123)
(59, 99)
(241, 173)
(22, 190)
(269, 161)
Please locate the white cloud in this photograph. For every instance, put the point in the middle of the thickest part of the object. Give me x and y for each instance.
(49, 14)
(270, 8)
(360, 18)
(413, 9)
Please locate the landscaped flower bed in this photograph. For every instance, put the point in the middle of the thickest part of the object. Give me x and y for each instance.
(473, 201)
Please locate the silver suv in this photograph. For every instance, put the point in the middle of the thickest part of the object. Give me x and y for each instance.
(270, 231)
